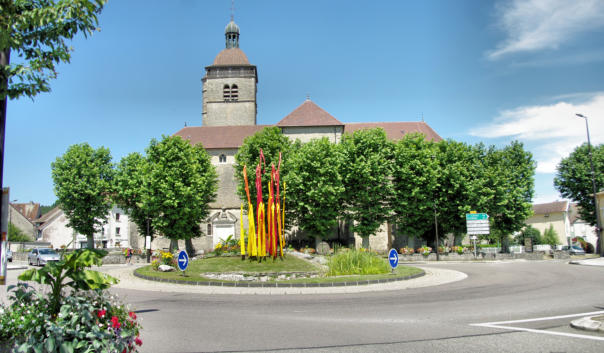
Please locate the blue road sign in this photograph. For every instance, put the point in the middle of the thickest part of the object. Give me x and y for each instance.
(393, 258)
(183, 260)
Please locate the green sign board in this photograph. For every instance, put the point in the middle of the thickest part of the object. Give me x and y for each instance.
(476, 216)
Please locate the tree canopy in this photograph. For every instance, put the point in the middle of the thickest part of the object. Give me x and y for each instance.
(314, 186)
(181, 184)
(83, 183)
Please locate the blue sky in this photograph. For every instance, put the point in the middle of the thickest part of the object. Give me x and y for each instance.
(477, 71)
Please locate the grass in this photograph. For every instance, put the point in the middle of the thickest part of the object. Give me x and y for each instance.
(355, 262)
(288, 264)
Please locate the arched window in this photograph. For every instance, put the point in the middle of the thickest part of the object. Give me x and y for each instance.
(226, 92)
(222, 158)
(234, 93)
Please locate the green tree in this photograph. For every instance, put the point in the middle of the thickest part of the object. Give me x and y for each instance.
(414, 184)
(272, 142)
(38, 32)
(133, 193)
(83, 183)
(365, 170)
(508, 190)
(16, 234)
(573, 179)
(182, 183)
(44, 209)
(314, 187)
(550, 236)
(529, 232)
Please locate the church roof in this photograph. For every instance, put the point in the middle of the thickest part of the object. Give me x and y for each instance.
(231, 57)
(30, 210)
(309, 114)
(212, 137)
(396, 130)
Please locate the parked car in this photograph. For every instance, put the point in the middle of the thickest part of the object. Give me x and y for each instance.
(40, 256)
(574, 250)
(9, 255)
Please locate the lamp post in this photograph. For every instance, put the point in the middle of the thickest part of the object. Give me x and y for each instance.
(593, 184)
(435, 218)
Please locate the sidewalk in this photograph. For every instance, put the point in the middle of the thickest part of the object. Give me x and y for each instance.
(596, 261)
(433, 277)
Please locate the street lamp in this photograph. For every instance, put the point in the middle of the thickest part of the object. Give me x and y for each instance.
(435, 217)
(593, 184)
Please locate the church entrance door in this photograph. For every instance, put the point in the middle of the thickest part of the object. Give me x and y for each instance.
(222, 231)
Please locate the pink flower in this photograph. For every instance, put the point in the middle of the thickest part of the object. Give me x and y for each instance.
(132, 315)
(138, 341)
(101, 313)
(115, 323)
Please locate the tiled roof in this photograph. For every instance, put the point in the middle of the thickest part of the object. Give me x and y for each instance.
(551, 207)
(309, 114)
(30, 210)
(49, 215)
(219, 136)
(231, 57)
(396, 130)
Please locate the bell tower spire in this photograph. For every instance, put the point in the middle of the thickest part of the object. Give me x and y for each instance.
(231, 32)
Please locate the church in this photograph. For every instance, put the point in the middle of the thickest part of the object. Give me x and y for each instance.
(229, 115)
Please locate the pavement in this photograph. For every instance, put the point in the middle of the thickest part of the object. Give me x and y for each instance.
(596, 261)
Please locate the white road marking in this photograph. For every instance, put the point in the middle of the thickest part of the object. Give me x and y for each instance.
(500, 325)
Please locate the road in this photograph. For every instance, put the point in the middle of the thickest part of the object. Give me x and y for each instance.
(471, 315)
(432, 319)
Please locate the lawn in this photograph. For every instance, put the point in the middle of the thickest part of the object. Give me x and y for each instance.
(288, 264)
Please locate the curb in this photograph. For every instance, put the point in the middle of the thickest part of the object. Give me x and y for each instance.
(588, 324)
(280, 285)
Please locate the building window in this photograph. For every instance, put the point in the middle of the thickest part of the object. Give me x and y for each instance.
(230, 93)
(234, 93)
(222, 158)
(226, 93)
(117, 230)
(209, 231)
(117, 217)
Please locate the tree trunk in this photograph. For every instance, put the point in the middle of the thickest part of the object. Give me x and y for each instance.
(173, 245)
(90, 241)
(189, 247)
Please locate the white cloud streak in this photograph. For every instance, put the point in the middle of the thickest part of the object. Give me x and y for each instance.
(532, 25)
(552, 131)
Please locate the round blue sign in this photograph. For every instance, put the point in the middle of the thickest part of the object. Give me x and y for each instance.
(183, 260)
(393, 258)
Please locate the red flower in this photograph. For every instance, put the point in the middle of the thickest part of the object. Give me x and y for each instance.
(101, 313)
(115, 323)
(132, 315)
(138, 341)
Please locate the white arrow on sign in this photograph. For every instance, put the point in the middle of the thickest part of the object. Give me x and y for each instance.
(182, 260)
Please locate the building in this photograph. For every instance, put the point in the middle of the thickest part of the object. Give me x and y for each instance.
(52, 228)
(556, 214)
(229, 108)
(23, 215)
(580, 228)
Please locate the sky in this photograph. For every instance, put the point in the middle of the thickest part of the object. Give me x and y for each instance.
(474, 70)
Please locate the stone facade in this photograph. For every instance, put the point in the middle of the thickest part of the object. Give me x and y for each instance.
(307, 133)
(21, 222)
(222, 111)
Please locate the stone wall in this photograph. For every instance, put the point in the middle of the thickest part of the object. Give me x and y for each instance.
(218, 112)
(307, 133)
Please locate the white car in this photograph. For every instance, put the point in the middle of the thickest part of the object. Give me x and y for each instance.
(40, 256)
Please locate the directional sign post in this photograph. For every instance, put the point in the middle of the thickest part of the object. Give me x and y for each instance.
(477, 223)
(393, 259)
(183, 261)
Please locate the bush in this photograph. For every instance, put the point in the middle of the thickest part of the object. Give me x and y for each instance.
(356, 262)
(528, 232)
(16, 234)
(550, 236)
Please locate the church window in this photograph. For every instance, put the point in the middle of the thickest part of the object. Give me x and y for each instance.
(209, 229)
(222, 158)
(234, 93)
(226, 92)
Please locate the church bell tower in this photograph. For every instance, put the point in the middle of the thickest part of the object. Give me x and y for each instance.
(229, 85)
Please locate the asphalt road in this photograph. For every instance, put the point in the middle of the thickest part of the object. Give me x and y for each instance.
(454, 317)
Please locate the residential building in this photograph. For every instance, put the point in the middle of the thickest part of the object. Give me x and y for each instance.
(556, 214)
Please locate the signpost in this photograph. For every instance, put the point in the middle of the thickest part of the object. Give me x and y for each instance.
(393, 258)
(183, 261)
(477, 223)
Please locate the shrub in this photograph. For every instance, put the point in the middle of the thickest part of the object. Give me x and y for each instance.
(550, 236)
(528, 232)
(356, 262)
(167, 258)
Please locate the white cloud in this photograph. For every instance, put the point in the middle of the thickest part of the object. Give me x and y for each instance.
(532, 25)
(552, 131)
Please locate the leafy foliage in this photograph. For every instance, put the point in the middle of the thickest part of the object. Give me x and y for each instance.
(70, 272)
(39, 32)
(272, 142)
(44, 209)
(550, 236)
(365, 171)
(83, 182)
(314, 186)
(529, 232)
(16, 234)
(181, 184)
(356, 262)
(573, 179)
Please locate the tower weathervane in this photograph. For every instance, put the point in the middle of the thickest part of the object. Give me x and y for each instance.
(232, 10)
